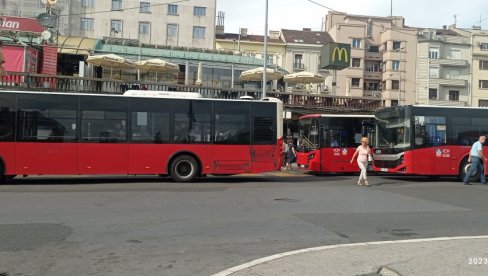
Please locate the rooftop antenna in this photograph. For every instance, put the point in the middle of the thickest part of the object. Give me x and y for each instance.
(391, 8)
(455, 19)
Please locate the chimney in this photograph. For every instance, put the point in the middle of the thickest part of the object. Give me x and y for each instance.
(219, 29)
(444, 27)
(243, 32)
(274, 34)
(307, 29)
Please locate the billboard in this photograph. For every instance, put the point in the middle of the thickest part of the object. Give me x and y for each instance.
(335, 56)
(11, 23)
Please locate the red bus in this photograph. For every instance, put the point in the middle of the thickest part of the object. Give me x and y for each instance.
(139, 133)
(427, 140)
(328, 141)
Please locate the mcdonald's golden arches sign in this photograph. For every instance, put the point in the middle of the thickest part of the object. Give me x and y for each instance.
(335, 56)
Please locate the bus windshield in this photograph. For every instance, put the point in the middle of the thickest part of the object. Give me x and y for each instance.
(393, 128)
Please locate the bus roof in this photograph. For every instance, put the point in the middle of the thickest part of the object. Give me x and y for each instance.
(144, 94)
(335, 116)
(436, 106)
(162, 94)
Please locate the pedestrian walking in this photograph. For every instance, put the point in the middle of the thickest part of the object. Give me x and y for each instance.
(291, 154)
(362, 153)
(476, 159)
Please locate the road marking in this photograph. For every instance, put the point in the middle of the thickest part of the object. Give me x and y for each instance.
(238, 268)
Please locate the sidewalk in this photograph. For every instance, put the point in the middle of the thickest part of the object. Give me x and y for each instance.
(438, 256)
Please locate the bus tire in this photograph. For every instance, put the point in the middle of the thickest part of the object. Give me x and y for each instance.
(464, 169)
(184, 168)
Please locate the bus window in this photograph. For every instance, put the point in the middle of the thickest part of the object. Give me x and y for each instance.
(191, 121)
(103, 120)
(429, 130)
(7, 117)
(150, 120)
(232, 125)
(47, 118)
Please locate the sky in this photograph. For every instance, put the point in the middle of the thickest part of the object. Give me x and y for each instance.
(299, 14)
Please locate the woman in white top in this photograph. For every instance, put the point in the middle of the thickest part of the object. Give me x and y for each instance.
(362, 153)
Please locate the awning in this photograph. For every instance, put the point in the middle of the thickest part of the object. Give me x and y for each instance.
(76, 45)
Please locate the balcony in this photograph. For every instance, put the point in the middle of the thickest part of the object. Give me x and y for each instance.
(448, 82)
(298, 66)
(447, 103)
(373, 56)
(449, 62)
(375, 75)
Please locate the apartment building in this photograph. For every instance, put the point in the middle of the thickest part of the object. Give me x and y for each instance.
(176, 24)
(381, 48)
(479, 64)
(443, 68)
(399, 52)
(302, 53)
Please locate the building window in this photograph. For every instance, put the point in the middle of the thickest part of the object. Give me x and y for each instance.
(395, 85)
(484, 46)
(397, 45)
(199, 11)
(270, 59)
(355, 82)
(356, 62)
(395, 65)
(434, 73)
(374, 67)
(433, 53)
(356, 43)
(373, 49)
(453, 95)
(297, 62)
(483, 103)
(198, 32)
(87, 24)
(172, 9)
(452, 75)
(394, 102)
(483, 64)
(145, 7)
(116, 27)
(87, 3)
(484, 84)
(172, 30)
(432, 94)
(116, 5)
(455, 54)
(144, 28)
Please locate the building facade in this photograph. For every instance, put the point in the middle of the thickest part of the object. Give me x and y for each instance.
(176, 24)
(380, 50)
(443, 68)
(302, 53)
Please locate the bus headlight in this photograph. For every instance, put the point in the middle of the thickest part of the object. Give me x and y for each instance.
(311, 156)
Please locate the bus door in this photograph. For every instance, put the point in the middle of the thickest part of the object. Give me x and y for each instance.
(46, 135)
(103, 148)
(431, 155)
(336, 150)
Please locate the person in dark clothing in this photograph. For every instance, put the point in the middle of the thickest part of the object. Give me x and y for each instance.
(291, 154)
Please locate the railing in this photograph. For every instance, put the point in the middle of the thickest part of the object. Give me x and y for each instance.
(292, 99)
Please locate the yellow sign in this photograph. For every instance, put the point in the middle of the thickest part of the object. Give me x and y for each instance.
(340, 52)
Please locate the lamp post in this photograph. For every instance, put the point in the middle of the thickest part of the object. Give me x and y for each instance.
(265, 58)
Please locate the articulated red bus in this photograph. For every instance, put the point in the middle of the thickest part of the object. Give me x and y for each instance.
(138, 133)
(427, 140)
(328, 141)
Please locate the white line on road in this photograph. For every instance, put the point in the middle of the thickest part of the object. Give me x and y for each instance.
(238, 268)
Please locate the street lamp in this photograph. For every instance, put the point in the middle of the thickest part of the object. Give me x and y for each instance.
(265, 58)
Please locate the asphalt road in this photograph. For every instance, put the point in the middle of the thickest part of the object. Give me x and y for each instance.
(153, 226)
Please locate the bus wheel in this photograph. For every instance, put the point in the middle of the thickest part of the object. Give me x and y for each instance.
(184, 168)
(464, 169)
